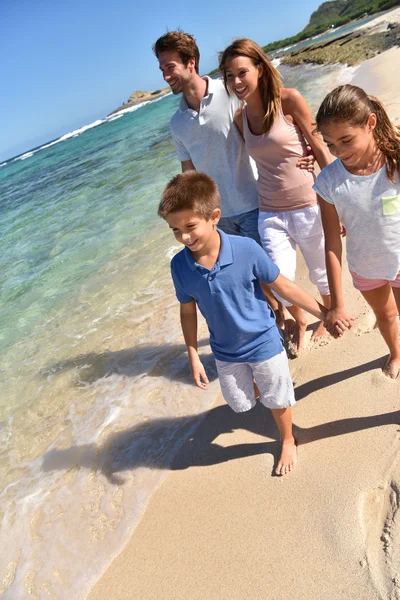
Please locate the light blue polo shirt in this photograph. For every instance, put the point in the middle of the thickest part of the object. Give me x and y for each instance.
(242, 326)
(211, 140)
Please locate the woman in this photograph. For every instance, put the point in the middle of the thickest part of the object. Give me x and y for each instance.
(274, 122)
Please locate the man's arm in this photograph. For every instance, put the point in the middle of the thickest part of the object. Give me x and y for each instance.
(187, 165)
(189, 329)
(238, 119)
(307, 162)
(182, 152)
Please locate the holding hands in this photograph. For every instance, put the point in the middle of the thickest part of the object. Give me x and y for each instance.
(307, 162)
(337, 320)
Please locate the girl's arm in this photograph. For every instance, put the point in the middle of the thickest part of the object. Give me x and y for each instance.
(189, 329)
(333, 259)
(294, 104)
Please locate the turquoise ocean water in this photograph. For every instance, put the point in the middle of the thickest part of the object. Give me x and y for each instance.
(95, 394)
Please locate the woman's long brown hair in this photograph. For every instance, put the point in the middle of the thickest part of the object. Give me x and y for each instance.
(270, 82)
(350, 103)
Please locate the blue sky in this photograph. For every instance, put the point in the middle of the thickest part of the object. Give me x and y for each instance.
(66, 64)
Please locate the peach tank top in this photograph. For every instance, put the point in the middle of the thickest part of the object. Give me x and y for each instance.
(281, 185)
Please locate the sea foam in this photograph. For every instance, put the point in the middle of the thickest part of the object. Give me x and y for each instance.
(81, 130)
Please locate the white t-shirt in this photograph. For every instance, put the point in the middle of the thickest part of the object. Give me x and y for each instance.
(369, 208)
(211, 140)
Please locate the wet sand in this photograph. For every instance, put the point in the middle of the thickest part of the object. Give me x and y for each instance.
(221, 526)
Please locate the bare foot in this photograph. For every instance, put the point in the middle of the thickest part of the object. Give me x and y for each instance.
(296, 344)
(319, 333)
(392, 367)
(288, 459)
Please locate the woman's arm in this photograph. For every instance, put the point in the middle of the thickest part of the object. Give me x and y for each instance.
(294, 104)
(333, 259)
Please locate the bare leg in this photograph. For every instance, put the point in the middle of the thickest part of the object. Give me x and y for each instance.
(274, 304)
(299, 316)
(285, 321)
(396, 294)
(321, 332)
(282, 316)
(382, 302)
(288, 458)
(270, 298)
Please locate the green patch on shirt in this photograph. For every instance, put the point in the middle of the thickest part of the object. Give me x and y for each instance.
(391, 205)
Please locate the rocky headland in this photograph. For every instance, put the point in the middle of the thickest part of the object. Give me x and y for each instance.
(351, 48)
(139, 97)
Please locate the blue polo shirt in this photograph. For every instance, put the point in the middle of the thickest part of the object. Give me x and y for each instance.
(242, 326)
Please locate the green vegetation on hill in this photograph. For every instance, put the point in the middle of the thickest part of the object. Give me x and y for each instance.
(337, 12)
(359, 7)
(329, 12)
(326, 13)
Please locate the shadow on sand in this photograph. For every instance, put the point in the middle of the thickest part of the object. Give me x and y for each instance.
(155, 444)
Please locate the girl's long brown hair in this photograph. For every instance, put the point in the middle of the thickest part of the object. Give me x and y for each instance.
(350, 103)
(270, 82)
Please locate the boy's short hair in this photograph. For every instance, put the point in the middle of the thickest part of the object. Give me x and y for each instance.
(181, 42)
(190, 191)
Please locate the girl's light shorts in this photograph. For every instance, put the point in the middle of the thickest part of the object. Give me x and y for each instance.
(272, 377)
(366, 285)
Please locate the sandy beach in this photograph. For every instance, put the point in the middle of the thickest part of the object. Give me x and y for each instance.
(381, 22)
(221, 526)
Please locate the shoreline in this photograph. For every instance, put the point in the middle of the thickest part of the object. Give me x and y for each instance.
(220, 526)
(364, 42)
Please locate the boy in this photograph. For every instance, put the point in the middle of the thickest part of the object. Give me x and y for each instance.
(225, 276)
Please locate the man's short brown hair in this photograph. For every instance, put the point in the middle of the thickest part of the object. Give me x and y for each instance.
(181, 42)
(190, 191)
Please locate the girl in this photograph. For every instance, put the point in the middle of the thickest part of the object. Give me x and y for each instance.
(274, 122)
(362, 190)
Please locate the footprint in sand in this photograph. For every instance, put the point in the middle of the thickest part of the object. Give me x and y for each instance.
(365, 323)
(380, 517)
(309, 344)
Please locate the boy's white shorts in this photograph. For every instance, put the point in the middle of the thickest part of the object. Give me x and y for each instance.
(272, 377)
(280, 232)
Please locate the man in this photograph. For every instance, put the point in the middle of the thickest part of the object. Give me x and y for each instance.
(205, 135)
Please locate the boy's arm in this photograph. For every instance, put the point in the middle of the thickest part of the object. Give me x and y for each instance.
(333, 258)
(294, 294)
(189, 329)
(268, 274)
